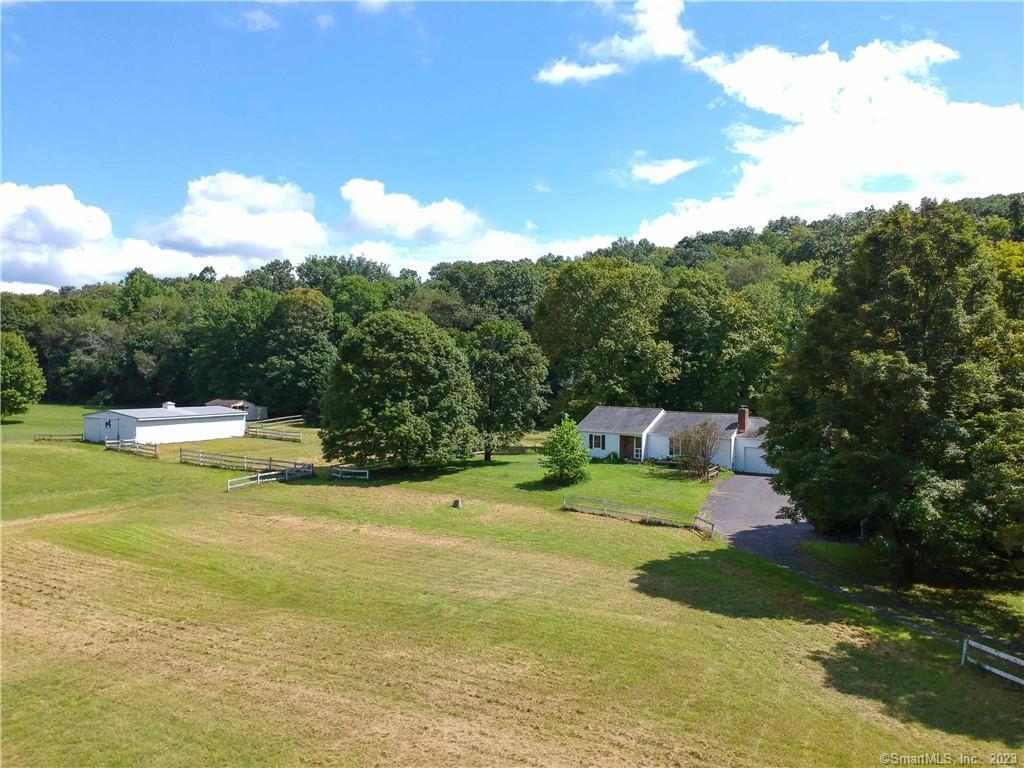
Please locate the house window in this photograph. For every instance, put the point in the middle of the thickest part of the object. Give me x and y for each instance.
(597, 441)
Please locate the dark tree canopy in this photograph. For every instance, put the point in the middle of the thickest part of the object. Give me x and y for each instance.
(300, 352)
(901, 404)
(597, 323)
(401, 392)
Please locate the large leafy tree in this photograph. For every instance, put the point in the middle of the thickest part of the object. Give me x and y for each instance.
(300, 352)
(230, 349)
(21, 378)
(508, 371)
(722, 348)
(597, 323)
(400, 392)
(901, 405)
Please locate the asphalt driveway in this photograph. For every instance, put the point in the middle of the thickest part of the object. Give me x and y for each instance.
(743, 509)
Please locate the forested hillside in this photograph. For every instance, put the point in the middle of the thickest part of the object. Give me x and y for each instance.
(702, 325)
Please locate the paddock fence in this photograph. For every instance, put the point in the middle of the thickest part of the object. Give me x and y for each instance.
(639, 513)
(271, 433)
(276, 476)
(349, 473)
(69, 437)
(993, 660)
(132, 447)
(244, 463)
(280, 421)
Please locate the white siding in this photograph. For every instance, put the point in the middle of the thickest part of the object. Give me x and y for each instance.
(611, 444)
(750, 457)
(658, 448)
(95, 429)
(186, 430)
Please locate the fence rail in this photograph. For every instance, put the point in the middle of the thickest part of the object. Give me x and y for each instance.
(269, 433)
(280, 421)
(348, 473)
(276, 476)
(132, 447)
(245, 463)
(966, 658)
(638, 513)
(68, 436)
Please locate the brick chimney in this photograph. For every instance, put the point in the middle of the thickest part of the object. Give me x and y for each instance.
(742, 419)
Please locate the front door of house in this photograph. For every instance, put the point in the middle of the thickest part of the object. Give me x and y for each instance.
(629, 447)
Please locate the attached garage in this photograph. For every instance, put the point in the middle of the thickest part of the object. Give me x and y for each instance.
(751, 460)
(167, 424)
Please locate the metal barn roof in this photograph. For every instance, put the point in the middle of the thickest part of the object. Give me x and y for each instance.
(186, 412)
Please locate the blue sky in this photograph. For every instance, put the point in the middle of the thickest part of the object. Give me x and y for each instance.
(457, 134)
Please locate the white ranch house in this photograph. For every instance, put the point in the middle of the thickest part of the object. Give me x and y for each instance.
(638, 434)
(167, 424)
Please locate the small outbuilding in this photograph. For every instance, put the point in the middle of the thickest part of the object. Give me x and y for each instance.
(167, 424)
(253, 412)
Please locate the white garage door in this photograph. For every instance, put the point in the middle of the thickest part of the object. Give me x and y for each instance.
(753, 461)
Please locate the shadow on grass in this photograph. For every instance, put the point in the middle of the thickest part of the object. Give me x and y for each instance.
(914, 678)
(6, 422)
(542, 485)
(394, 476)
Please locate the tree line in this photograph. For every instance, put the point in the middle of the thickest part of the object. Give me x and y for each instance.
(884, 346)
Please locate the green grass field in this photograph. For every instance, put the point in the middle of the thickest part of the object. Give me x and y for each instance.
(151, 618)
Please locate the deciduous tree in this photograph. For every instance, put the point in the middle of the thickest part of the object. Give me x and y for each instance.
(401, 392)
(21, 379)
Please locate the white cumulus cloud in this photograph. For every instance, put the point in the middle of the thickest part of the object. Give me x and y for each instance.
(563, 70)
(402, 216)
(231, 222)
(324, 20)
(245, 216)
(870, 129)
(656, 34)
(661, 171)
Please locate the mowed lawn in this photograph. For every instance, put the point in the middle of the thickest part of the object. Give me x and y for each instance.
(151, 618)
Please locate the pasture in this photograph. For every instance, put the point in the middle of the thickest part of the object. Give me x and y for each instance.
(150, 618)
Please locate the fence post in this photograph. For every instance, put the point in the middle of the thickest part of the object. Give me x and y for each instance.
(963, 655)
(245, 463)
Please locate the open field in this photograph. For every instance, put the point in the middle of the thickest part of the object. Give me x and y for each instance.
(150, 618)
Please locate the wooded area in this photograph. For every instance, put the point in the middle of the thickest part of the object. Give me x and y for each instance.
(886, 348)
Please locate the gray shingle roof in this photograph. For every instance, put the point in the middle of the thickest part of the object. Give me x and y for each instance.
(673, 421)
(197, 411)
(618, 419)
(633, 421)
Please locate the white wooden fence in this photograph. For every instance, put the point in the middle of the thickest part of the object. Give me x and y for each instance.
(638, 513)
(277, 476)
(347, 473)
(967, 658)
(280, 421)
(245, 463)
(269, 433)
(130, 446)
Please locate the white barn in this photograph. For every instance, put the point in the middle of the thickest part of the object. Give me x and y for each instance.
(167, 424)
(638, 434)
